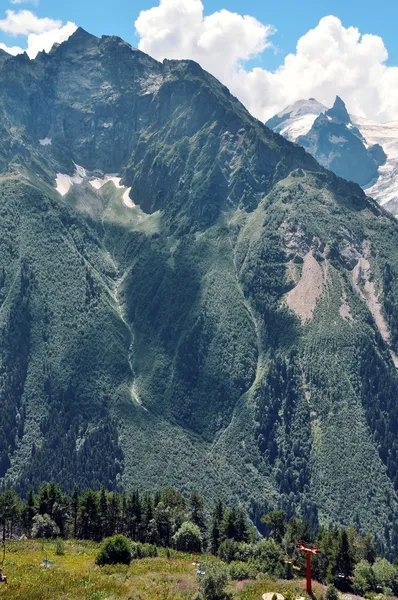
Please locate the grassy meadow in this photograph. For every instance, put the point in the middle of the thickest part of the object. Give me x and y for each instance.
(75, 576)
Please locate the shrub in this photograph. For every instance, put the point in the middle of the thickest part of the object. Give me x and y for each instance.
(364, 579)
(270, 556)
(227, 551)
(188, 538)
(115, 550)
(44, 527)
(139, 550)
(212, 584)
(385, 574)
(60, 547)
(242, 570)
(331, 593)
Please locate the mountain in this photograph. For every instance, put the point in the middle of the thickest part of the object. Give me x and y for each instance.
(297, 119)
(353, 147)
(187, 298)
(385, 189)
(332, 138)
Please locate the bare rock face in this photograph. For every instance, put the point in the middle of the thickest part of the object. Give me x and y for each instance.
(330, 136)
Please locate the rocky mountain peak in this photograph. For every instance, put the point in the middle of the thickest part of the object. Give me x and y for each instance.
(339, 112)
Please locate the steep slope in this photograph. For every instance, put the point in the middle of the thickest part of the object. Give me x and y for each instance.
(200, 304)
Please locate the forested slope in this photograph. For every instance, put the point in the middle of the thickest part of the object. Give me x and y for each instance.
(229, 325)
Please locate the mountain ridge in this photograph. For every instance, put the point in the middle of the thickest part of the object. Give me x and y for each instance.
(168, 345)
(380, 141)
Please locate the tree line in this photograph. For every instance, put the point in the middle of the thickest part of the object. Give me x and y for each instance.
(346, 558)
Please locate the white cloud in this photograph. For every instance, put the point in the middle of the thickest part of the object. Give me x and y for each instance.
(220, 41)
(35, 2)
(41, 34)
(25, 22)
(329, 59)
(14, 50)
(45, 41)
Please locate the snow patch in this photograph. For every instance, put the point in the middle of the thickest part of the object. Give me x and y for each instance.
(296, 126)
(127, 201)
(298, 118)
(99, 183)
(385, 190)
(63, 182)
(45, 142)
(303, 107)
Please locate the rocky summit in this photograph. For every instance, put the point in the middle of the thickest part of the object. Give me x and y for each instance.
(187, 298)
(332, 138)
(353, 147)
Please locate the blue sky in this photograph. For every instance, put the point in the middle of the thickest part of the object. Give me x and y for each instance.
(341, 45)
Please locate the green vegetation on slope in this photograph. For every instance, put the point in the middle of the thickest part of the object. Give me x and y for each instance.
(234, 332)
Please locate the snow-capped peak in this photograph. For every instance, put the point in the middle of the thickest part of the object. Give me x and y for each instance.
(296, 119)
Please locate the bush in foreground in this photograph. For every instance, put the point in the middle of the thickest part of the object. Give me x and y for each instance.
(139, 550)
(213, 582)
(188, 538)
(44, 527)
(114, 550)
(331, 593)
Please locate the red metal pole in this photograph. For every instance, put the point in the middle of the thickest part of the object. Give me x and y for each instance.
(309, 584)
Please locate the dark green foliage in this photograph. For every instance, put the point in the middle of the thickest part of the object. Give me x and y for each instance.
(139, 550)
(242, 570)
(275, 521)
(331, 593)
(15, 344)
(152, 346)
(114, 550)
(188, 538)
(212, 584)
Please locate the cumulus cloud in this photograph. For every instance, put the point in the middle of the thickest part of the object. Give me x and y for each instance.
(220, 42)
(14, 50)
(25, 22)
(45, 41)
(41, 34)
(329, 59)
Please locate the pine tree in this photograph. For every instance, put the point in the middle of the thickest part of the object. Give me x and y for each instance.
(28, 512)
(197, 511)
(275, 520)
(103, 513)
(344, 559)
(90, 522)
(75, 509)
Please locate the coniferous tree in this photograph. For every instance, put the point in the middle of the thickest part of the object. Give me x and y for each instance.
(197, 511)
(9, 512)
(215, 527)
(103, 513)
(29, 512)
(75, 509)
(90, 522)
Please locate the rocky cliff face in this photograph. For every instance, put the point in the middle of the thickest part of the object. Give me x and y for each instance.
(197, 302)
(338, 145)
(352, 147)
